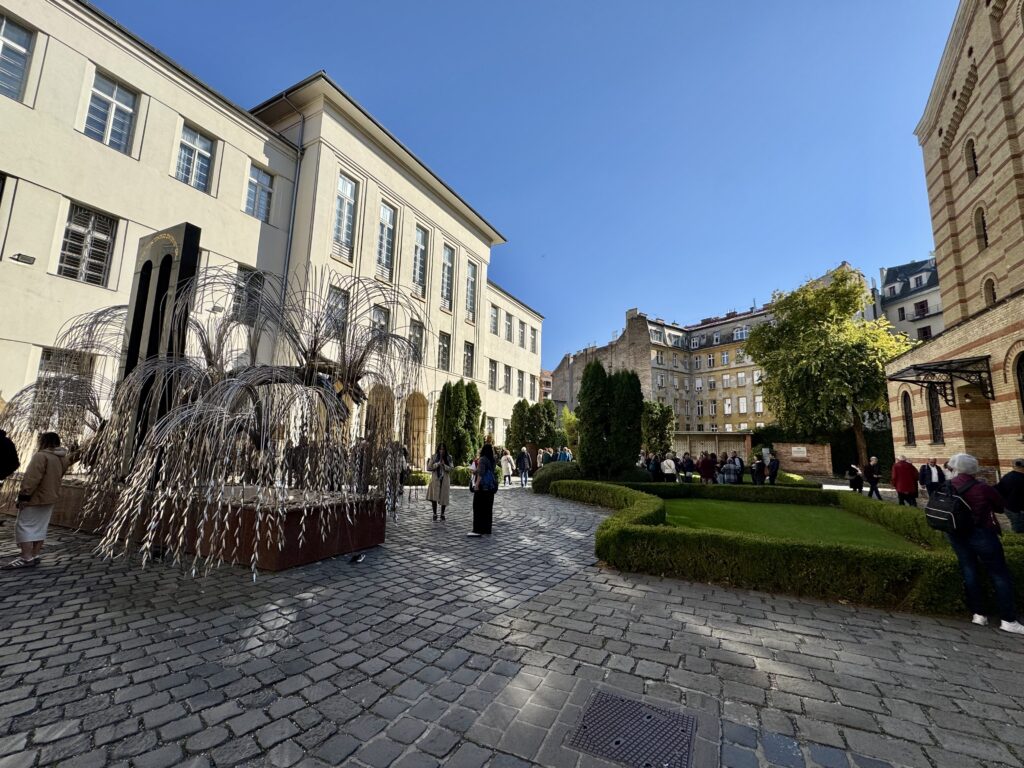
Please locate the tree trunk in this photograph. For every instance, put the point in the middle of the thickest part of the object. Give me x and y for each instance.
(858, 433)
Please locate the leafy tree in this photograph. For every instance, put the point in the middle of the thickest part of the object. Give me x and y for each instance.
(594, 411)
(450, 420)
(519, 427)
(625, 420)
(571, 428)
(474, 413)
(823, 364)
(656, 427)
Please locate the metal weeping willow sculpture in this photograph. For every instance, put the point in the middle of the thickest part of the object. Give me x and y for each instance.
(265, 435)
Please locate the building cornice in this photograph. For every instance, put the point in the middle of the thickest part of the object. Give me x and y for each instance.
(507, 295)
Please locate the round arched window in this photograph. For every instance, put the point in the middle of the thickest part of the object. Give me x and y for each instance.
(981, 228)
(908, 419)
(971, 160)
(989, 291)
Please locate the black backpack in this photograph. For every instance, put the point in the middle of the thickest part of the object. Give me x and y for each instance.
(947, 511)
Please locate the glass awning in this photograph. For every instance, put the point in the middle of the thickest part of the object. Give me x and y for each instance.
(940, 375)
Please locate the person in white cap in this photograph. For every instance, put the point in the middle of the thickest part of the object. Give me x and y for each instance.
(524, 465)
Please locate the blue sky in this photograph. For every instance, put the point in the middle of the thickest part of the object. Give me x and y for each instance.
(679, 156)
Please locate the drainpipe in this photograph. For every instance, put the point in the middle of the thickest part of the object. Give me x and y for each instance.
(295, 197)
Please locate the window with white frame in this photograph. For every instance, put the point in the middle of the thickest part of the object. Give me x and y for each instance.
(743, 426)
(419, 261)
(659, 357)
(417, 334)
(740, 333)
(694, 343)
(741, 356)
(711, 360)
(686, 408)
(380, 319)
(471, 269)
(344, 218)
(726, 381)
(757, 376)
(508, 380)
(759, 425)
(260, 194)
(533, 340)
(447, 277)
(696, 362)
(711, 382)
(717, 337)
(195, 158)
(15, 48)
(686, 384)
(444, 351)
(492, 374)
(386, 241)
(698, 384)
(741, 379)
(88, 246)
(468, 359)
(727, 406)
(508, 326)
(520, 384)
(111, 113)
(522, 334)
(661, 379)
(533, 387)
(728, 427)
(675, 381)
(494, 320)
(337, 309)
(725, 358)
(758, 404)
(714, 427)
(741, 404)
(700, 408)
(713, 408)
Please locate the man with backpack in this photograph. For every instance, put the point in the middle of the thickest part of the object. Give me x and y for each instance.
(965, 509)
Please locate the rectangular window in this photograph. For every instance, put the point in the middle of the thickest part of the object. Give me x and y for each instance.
(740, 333)
(111, 114)
(892, 290)
(741, 405)
(508, 380)
(659, 357)
(758, 404)
(713, 408)
(700, 408)
(700, 427)
(492, 374)
(728, 427)
(711, 361)
(741, 379)
(717, 337)
(471, 291)
(447, 277)
(696, 363)
(901, 313)
(245, 308)
(490, 426)
(759, 425)
(520, 384)
(757, 376)
(533, 340)
(921, 308)
(714, 427)
(661, 379)
(467, 360)
(924, 332)
(195, 156)
(386, 241)
(508, 326)
(260, 194)
(416, 337)
(55, 366)
(15, 47)
(533, 387)
(522, 334)
(725, 358)
(419, 261)
(726, 381)
(918, 281)
(344, 218)
(694, 343)
(743, 426)
(337, 307)
(711, 382)
(380, 319)
(494, 320)
(444, 351)
(88, 246)
(675, 382)
(727, 406)
(698, 384)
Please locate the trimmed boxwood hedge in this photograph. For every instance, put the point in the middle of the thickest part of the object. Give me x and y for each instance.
(460, 476)
(636, 539)
(555, 470)
(417, 479)
(773, 494)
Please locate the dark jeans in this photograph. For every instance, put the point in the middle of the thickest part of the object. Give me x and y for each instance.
(909, 499)
(483, 511)
(524, 476)
(874, 489)
(1016, 520)
(982, 546)
(930, 488)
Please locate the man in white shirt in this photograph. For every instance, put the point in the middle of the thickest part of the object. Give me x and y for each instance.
(931, 476)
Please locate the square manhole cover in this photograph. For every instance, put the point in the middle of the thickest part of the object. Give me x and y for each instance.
(632, 732)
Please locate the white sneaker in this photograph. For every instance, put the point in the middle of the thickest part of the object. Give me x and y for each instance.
(981, 621)
(1012, 626)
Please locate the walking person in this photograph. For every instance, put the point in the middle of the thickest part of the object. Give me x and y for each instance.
(524, 465)
(773, 468)
(1011, 488)
(440, 468)
(483, 496)
(931, 476)
(980, 545)
(872, 474)
(507, 467)
(40, 489)
(904, 480)
(855, 477)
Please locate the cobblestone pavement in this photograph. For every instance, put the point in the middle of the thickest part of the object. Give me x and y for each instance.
(440, 649)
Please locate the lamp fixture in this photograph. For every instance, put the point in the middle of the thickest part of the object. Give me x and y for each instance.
(967, 398)
(23, 258)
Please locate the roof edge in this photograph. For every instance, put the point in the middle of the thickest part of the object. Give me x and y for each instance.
(947, 64)
(501, 290)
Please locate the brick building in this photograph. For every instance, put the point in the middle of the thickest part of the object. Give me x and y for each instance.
(964, 389)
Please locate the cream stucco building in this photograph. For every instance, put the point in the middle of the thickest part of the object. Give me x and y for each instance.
(107, 140)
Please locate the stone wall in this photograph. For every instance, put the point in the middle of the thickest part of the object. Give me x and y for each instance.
(804, 458)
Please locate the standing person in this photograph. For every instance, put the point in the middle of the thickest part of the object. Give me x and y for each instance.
(483, 497)
(855, 478)
(757, 470)
(872, 474)
(772, 468)
(904, 480)
(507, 467)
(729, 472)
(738, 461)
(1011, 488)
(440, 468)
(706, 467)
(980, 544)
(668, 469)
(524, 465)
(931, 476)
(9, 461)
(39, 492)
(688, 466)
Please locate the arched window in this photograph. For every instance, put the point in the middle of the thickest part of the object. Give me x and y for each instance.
(981, 228)
(971, 159)
(1020, 378)
(989, 291)
(934, 416)
(908, 419)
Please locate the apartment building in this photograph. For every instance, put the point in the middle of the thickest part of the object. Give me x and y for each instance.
(545, 385)
(700, 370)
(107, 140)
(910, 298)
(963, 390)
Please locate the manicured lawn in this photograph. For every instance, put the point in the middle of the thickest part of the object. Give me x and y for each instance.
(816, 525)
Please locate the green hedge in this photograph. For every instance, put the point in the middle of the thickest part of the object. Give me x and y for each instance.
(636, 539)
(555, 470)
(460, 476)
(417, 479)
(788, 478)
(773, 494)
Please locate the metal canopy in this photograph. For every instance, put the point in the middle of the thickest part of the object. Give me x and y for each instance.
(940, 375)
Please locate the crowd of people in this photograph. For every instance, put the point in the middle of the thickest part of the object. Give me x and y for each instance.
(709, 468)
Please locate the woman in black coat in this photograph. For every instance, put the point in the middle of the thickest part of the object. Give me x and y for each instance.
(483, 497)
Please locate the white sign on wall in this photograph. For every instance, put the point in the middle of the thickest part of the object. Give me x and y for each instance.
(799, 452)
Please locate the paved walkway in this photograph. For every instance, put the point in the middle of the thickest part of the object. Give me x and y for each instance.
(440, 649)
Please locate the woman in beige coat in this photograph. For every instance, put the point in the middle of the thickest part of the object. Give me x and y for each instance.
(440, 467)
(40, 489)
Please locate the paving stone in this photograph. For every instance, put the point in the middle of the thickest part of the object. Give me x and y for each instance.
(782, 750)
(468, 756)
(336, 749)
(828, 757)
(738, 757)
(380, 753)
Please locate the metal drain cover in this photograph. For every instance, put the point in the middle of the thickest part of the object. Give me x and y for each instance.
(632, 732)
